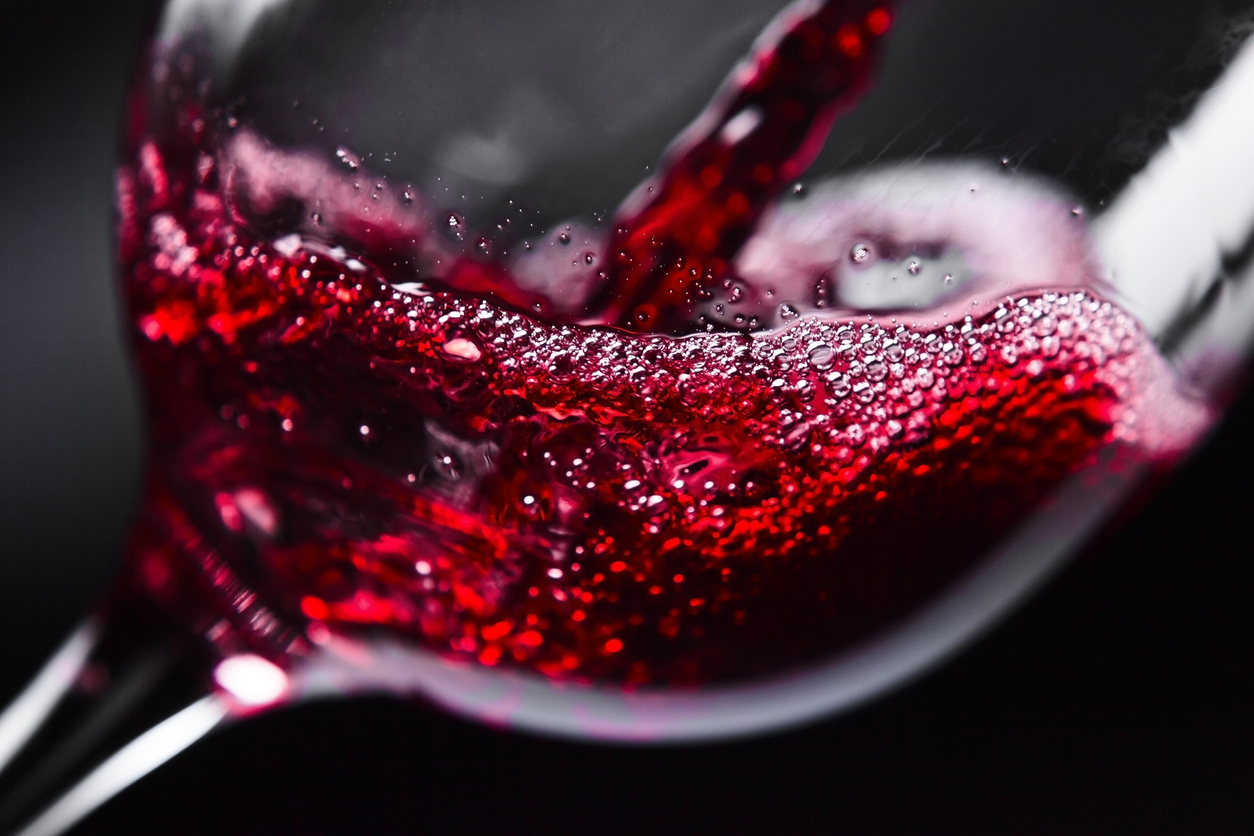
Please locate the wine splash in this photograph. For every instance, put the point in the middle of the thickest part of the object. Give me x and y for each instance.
(364, 419)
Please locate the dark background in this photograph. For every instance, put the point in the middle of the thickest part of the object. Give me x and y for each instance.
(1120, 699)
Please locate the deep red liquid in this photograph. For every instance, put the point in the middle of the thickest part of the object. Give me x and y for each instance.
(678, 235)
(585, 501)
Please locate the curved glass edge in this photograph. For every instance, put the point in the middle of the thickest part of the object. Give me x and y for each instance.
(1177, 248)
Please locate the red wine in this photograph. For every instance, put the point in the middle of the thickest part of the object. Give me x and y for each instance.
(364, 418)
(762, 131)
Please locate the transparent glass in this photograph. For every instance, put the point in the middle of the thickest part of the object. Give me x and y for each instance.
(637, 372)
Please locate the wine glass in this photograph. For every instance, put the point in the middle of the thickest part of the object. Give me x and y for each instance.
(235, 563)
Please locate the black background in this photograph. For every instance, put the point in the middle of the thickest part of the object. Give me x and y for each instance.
(1120, 699)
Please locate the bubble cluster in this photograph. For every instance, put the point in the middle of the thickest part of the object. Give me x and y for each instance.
(583, 501)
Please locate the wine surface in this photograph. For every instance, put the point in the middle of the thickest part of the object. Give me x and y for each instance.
(624, 454)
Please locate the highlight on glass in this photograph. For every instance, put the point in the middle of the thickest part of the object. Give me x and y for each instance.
(562, 367)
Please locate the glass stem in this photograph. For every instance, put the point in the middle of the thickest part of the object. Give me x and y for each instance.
(127, 691)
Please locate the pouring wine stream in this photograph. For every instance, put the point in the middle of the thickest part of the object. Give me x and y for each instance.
(1177, 246)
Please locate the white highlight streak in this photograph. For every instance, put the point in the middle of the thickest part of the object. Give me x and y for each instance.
(25, 714)
(1165, 236)
(741, 125)
(229, 21)
(135, 760)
